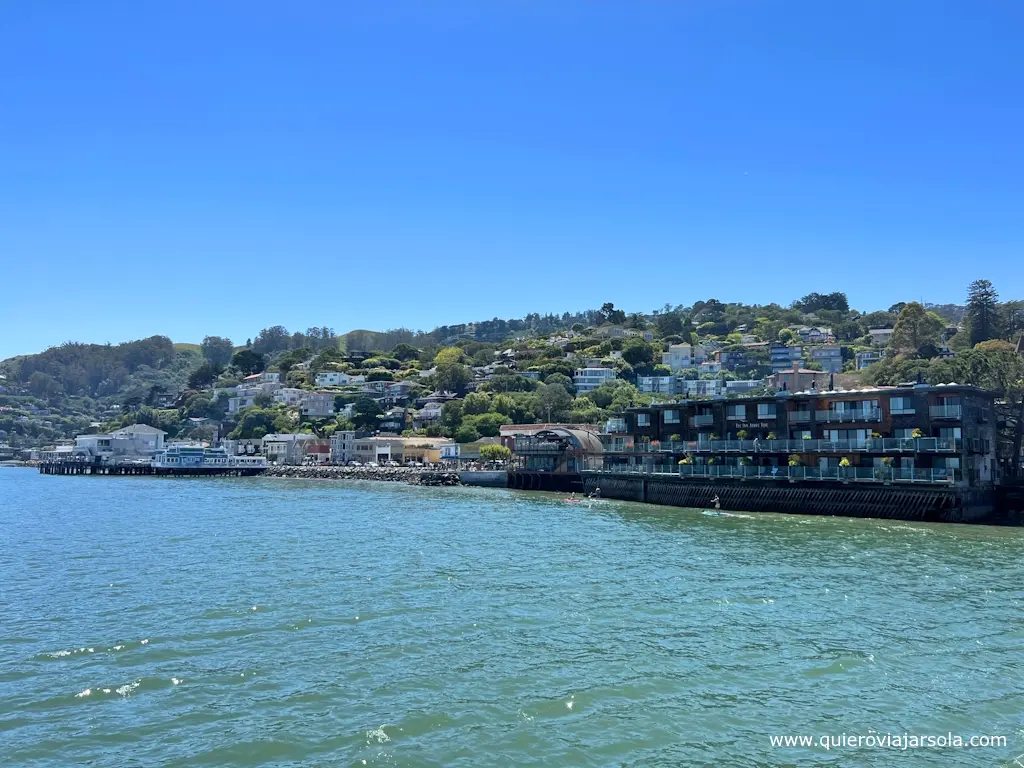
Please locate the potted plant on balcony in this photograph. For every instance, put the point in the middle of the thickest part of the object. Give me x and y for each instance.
(794, 461)
(771, 436)
(742, 434)
(916, 433)
(675, 438)
(844, 468)
(655, 445)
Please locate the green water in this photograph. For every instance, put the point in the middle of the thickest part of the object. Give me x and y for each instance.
(242, 622)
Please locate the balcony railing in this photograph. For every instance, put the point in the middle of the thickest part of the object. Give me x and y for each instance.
(834, 474)
(945, 411)
(861, 415)
(869, 445)
(902, 411)
(797, 417)
(736, 416)
(703, 420)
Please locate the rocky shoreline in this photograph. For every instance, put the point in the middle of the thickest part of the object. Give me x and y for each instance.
(410, 475)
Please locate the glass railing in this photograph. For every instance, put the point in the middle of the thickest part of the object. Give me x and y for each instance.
(835, 474)
(945, 411)
(868, 445)
(797, 417)
(702, 420)
(861, 414)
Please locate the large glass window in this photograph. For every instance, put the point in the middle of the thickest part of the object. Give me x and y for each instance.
(643, 419)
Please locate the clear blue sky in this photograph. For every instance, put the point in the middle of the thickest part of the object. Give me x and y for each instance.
(207, 167)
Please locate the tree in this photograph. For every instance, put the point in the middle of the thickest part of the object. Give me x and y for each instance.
(248, 362)
(43, 384)
(638, 352)
(609, 314)
(917, 333)
(550, 399)
(669, 324)
(380, 374)
(365, 411)
(812, 302)
(405, 351)
(450, 374)
(466, 434)
(563, 381)
(495, 453)
(786, 336)
(254, 423)
(983, 316)
(217, 350)
(487, 424)
(204, 375)
(271, 340)
(475, 403)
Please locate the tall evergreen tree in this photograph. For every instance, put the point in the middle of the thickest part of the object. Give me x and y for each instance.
(983, 317)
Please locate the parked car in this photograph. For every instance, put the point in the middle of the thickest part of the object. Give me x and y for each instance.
(355, 464)
(391, 464)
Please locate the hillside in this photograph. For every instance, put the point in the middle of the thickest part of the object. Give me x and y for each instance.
(64, 389)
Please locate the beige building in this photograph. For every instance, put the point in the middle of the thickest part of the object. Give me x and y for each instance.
(401, 449)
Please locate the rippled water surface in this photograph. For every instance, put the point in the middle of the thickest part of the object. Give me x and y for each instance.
(152, 621)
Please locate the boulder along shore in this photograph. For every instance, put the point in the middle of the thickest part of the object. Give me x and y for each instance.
(410, 475)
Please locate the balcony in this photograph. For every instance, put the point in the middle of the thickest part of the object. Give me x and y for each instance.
(879, 475)
(846, 417)
(902, 411)
(908, 445)
(799, 417)
(945, 412)
(703, 420)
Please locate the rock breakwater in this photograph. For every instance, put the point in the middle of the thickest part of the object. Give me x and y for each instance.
(411, 475)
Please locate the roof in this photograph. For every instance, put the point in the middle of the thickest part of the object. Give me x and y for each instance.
(141, 429)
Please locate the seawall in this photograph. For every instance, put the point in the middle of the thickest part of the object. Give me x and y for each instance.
(953, 505)
(411, 475)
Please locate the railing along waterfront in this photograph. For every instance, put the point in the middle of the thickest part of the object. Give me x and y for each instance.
(868, 445)
(841, 474)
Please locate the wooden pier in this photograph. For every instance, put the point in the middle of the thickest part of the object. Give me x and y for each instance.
(72, 467)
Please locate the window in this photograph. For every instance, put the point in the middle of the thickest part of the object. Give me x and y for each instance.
(901, 405)
(736, 412)
(903, 434)
(766, 410)
(671, 417)
(643, 419)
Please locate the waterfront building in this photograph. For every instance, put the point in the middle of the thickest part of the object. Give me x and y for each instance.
(343, 444)
(197, 458)
(381, 449)
(924, 434)
(138, 442)
(286, 448)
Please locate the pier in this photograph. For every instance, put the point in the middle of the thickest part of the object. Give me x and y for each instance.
(72, 467)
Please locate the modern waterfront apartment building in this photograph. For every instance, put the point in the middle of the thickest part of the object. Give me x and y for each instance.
(915, 434)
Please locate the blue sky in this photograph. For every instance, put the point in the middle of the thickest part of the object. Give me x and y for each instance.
(210, 167)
